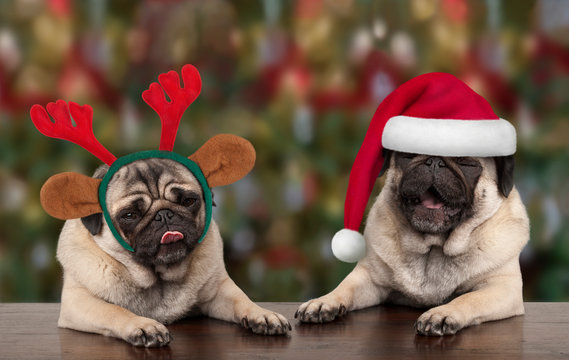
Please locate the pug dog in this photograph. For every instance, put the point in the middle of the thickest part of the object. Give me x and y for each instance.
(445, 233)
(157, 206)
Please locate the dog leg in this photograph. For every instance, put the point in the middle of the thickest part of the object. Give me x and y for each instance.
(82, 311)
(497, 297)
(356, 291)
(231, 304)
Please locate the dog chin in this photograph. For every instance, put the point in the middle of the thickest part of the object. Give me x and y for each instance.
(166, 254)
(170, 254)
(433, 221)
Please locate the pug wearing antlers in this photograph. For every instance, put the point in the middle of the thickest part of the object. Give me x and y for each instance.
(139, 248)
(447, 229)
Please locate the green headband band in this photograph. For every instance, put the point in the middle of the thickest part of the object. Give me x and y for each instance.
(120, 162)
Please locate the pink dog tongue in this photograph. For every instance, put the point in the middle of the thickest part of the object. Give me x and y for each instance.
(430, 201)
(171, 236)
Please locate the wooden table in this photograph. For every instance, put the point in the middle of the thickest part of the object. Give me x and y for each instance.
(29, 331)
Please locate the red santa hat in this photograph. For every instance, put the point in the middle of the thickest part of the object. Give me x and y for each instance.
(433, 114)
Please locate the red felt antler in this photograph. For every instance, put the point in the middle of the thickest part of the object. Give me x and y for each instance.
(171, 112)
(62, 128)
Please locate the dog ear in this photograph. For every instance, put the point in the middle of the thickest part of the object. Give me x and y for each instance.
(505, 172)
(70, 196)
(386, 161)
(224, 159)
(93, 223)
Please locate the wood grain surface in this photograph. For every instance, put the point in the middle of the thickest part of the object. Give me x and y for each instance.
(29, 331)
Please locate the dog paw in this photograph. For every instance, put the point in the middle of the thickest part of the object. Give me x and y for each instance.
(319, 311)
(438, 322)
(266, 322)
(146, 332)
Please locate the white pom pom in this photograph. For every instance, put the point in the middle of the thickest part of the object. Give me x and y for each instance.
(348, 245)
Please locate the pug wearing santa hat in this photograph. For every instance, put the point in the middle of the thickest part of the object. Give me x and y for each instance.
(448, 227)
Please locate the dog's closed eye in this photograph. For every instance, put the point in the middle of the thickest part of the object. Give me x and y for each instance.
(468, 162)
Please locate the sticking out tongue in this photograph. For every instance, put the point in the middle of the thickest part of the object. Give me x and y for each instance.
(171, 236)
(431, 201)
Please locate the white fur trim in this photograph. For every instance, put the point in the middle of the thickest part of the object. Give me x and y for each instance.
(348, 245)
(449, 137)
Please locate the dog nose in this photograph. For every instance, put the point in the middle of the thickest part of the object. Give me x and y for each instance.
(163, 215)
(435, 162)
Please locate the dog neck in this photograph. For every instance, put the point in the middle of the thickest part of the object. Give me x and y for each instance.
(175, 272)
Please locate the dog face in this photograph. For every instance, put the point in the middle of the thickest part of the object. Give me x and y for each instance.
(157, 206)
(436, 194)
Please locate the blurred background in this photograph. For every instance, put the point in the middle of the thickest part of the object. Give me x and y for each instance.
(299, 79)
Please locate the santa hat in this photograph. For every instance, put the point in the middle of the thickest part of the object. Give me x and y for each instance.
(433, 114)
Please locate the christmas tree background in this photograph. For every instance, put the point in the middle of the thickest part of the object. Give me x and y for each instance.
(300, 80)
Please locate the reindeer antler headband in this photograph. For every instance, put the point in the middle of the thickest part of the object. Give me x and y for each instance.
(220, 161)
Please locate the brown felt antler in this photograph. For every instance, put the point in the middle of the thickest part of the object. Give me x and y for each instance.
(171, 112)
(62, 128)
(224, 159)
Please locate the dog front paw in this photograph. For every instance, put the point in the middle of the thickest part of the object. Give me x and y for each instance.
(266, 322)
(320, 310)
(146, 332)
(439, 321)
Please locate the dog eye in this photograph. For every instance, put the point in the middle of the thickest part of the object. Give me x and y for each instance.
(129, 216)
(467, 162)
(187, 202)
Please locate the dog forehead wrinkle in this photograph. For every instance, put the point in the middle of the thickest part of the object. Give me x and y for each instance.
(171, 187)
(157, 169)
(143, 176)
(130, 180)
(121, 186)
(167, 173)
(130, 200)
(187, 183)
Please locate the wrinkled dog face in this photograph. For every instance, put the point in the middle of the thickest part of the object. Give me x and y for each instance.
(436, 193)
(157, 205)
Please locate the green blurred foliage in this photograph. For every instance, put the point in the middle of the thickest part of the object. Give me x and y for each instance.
(300, 80)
